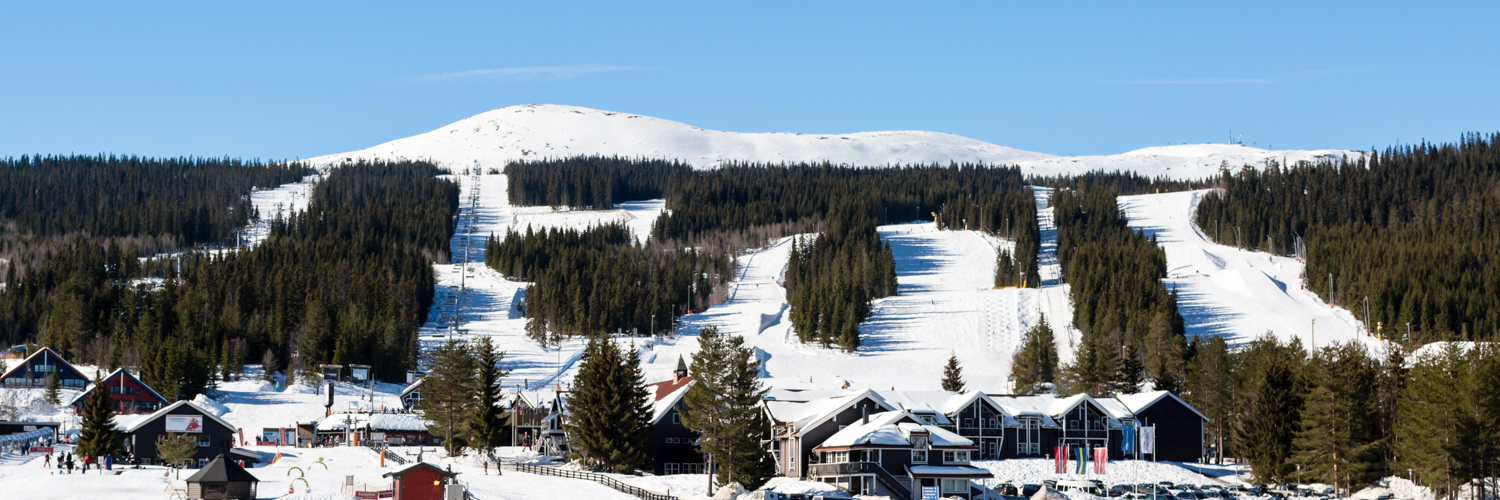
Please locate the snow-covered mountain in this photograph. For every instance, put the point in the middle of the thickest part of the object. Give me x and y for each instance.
(493, 138)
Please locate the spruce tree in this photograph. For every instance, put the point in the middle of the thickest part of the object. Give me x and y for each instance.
(1093, 369)
(1271, 414)
(96, 437)
(487, 423)
(448, 393)
(268, 365)
(176, 448)
(52, 394)
(953, 375)
(1034, 366)
(1211, 387)
(610, 409)
(1432, 426)
(1130, 373)
(723, 407)
(1336, 439)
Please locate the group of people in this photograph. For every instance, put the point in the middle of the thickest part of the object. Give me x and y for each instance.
(65, 463)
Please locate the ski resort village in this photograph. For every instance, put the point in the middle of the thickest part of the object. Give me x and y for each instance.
(749, 251)
(560, 302)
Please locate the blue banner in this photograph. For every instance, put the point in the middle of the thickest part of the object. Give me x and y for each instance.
(1127, 439)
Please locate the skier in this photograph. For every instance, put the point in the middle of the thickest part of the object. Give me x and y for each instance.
(47, 460)
(70, 463)
(86, 460)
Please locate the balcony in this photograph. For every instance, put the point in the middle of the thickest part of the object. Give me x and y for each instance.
(842, 469)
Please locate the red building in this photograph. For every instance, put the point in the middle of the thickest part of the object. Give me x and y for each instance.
(419, 481)
(131, 395)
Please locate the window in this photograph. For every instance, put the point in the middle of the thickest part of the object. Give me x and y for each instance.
(955, 485)
(203, 442)
(672, 469)
(671, 440)
(994, 424)
(918, 457)
(955, 457)
(676, 419)
(1029, 437)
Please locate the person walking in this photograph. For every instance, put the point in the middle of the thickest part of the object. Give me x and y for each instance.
(47, 461)
(86, 460)
(70, 463)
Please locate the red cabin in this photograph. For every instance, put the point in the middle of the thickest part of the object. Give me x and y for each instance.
(419, 481)
(130, 394)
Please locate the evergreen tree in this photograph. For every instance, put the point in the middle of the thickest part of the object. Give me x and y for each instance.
(1131, 373)
(1093, 369)
(1164, 353)
(52, 394)
(1034, 366)
(448, 393)
(487, 423)
(610, 409)
(97, 435)
(176, 448)
(1271, 411)
(1211, 383)
(723, 407)
(953, 375)
(268, 365)
(1336, 440)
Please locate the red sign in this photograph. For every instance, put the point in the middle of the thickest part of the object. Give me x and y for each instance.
(375, 495)
(41, 449)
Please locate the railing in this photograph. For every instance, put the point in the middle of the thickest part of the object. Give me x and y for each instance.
(613, 483)
(853, 468)
(389, 455)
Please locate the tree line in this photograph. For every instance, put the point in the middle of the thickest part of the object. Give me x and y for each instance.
(194, 200)
(831, 280)
(598, 280)
(347, 281)
(1130, 330)
(1413, 228)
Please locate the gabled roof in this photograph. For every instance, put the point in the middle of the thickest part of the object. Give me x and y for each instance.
(942, 403)
(220, 471)
(1139, 402)
(664, 404)
(893, 428)
(136, 424)
(119, 371)
(402, 471)
(61, 362)
(818, 412)
(398, 422)
(412, 387)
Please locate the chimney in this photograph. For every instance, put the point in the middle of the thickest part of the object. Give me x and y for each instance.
(865, 412)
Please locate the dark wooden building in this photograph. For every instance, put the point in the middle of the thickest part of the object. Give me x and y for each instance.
(34, 371)
(130, 394)
(674, 447)
(1179, 426)
(419, 481)
(220, 480)
(138, 435)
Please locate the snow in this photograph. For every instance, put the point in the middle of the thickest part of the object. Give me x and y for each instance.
(1036, 470)
(495, 138)
(1237, 294)
(280, 202)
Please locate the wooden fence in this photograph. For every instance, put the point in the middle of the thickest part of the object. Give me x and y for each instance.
(613, 483)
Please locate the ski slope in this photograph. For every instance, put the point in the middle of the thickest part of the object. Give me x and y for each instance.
(1237, 294)
(494, 138)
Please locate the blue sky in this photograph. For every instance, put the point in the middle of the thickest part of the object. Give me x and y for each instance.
(287, 80)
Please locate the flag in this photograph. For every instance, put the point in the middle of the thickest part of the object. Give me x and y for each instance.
(1101, 456)
(1148, 440)
(1060, 460)
(1127, 439)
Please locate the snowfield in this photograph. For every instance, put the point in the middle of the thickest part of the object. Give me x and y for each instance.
(1237, 294)
(494, 138)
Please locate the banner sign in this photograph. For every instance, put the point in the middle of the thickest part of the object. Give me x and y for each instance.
(1101, 457)
(1127, 439)
(1148, 440)
(1060, 460)
(184, 423)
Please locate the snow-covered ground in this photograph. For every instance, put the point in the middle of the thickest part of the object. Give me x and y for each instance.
(1036, 470)
(281, 201)
(1237, 294)
(494, 138)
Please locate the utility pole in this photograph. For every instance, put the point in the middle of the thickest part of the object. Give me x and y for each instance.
(1367, 315)
(1330, 289)
(1312, 336)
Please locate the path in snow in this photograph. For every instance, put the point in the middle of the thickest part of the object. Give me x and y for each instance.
(1237, 294)
(945, 305)
(281, 201)
(1056, 303)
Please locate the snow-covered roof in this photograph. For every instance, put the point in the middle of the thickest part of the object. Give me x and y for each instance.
(412, 387)
(949, 470)
(1140, 401)
(663, 404)
(879, 431)
(940, 404)
(118, 371)
(338, 421)
(1115, 408)
(61, 362)
(894, 428)
(398, 422)
(137, 424)
(813, 413)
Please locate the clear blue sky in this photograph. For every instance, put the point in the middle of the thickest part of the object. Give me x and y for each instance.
(300, 79)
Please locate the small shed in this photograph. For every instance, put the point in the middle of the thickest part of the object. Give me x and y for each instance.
(419, 481)
(222, 479)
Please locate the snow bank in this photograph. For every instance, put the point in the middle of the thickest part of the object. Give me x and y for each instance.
(1037, 470)
(210, 406)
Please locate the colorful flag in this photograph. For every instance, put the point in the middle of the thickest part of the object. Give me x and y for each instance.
(1060, 460)
(1127, 439)
(1101, 457)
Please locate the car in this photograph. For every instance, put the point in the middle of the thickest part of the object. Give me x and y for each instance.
(1007, 489)
(1027, 490)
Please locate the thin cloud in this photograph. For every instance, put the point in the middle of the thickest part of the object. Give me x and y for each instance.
(525, 74)
(1194, 81)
